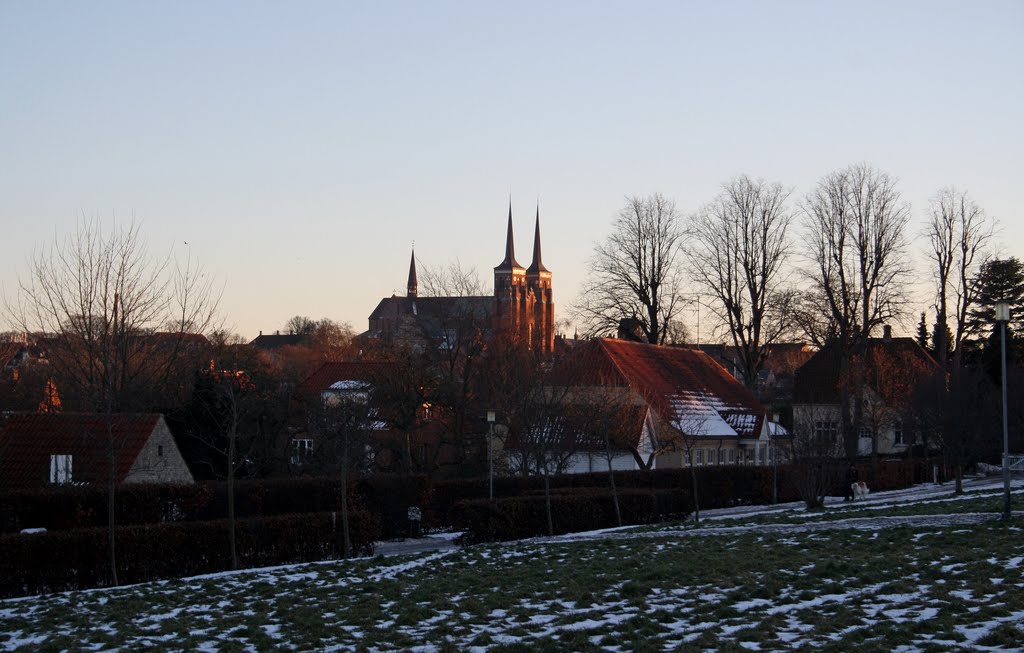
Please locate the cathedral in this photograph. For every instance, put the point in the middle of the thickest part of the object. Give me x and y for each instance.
(522, 305)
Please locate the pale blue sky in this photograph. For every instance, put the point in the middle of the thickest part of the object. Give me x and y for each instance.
(300, 147)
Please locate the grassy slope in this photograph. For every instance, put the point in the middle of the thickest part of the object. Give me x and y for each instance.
(924, 588)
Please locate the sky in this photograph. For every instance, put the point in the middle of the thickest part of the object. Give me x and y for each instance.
(300, 148)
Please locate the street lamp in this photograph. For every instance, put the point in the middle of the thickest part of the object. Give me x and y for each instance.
(1002, 317)
(490, 455)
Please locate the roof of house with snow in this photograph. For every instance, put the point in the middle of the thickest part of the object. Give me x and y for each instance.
(332, 373)
(685, 387)
(580, 431)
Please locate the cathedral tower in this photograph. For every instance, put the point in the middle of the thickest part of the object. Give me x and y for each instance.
(510, 285)
(541, 306)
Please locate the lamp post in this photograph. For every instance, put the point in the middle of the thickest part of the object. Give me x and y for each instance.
(490, 455)
(1002, 310)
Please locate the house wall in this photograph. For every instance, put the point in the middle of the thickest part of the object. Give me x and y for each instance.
(805, 415)
(160, 460)
(583, 463)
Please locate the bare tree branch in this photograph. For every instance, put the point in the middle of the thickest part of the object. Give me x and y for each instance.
(738, 254)
(635, 273)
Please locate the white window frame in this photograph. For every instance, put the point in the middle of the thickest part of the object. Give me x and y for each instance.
(61, 468)
(301, 450)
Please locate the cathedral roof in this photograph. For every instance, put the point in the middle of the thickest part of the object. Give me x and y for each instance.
(536, 266)
(510, 263)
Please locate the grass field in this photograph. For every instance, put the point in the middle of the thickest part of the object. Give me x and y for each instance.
(881, 581)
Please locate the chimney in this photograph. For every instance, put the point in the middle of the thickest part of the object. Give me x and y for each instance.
(887, 333)
(630, 329)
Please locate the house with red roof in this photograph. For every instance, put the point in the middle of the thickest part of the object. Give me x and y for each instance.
(693, 410)
(38, 450)
(879, 376)
(404, 429)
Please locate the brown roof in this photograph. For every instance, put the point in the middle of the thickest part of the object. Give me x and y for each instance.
(580, 433)
(276, 341)
(29, 439)
(332, 372)
(819, 379)
(673, 380)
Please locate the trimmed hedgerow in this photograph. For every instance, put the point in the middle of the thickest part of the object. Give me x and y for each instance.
(575, 510)
(69, 507)
(78, 559)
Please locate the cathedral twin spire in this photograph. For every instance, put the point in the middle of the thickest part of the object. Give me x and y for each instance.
(510, 262)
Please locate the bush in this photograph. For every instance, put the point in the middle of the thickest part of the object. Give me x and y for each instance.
(69, 507)
(571, 511)
(78, 559)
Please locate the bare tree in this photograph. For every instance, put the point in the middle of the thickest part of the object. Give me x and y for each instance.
(816, 451)
(344, 420)
(813, 321)
(636, 274)
(958, 235)
(855, 225)
(451, 280)
(855, 238)
(738, 254)
(300, 325)
(98, 296)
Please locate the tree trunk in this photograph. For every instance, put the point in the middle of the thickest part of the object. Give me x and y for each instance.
(696, 498)
(346, 542)
(231, 497)
(111, 490)
(611, 480)
(547, 499)
(959, 478)
(408, 454)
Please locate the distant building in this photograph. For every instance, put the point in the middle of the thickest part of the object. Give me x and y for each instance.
(522, 304)
(882, 374)
(675, 407)
(41, 450)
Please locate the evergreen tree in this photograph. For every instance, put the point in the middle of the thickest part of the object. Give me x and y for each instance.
(922, 333)
(998, 280)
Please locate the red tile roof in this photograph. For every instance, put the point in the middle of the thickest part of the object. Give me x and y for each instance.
(580, 433)
(818, 380)
(668, 376)
(27, 441)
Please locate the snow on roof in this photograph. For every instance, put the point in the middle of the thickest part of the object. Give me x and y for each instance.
(350, 385)
(703, 414)
(777, 430)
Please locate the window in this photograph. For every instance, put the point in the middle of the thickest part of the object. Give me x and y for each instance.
(826, 430)
(302, 450)
(160, 450)
(686, 457)
(711, 456)
(897, 433)
(732, 456)
(60, 468)
(700, 456)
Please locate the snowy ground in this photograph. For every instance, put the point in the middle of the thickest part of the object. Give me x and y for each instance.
(913, 570)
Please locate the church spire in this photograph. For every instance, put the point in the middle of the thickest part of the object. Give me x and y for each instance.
(413, 288)
(536, 266)
(510, 248)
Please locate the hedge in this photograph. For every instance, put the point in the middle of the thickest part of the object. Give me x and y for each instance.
(72, 507)
(512, 518)
(78, 559)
